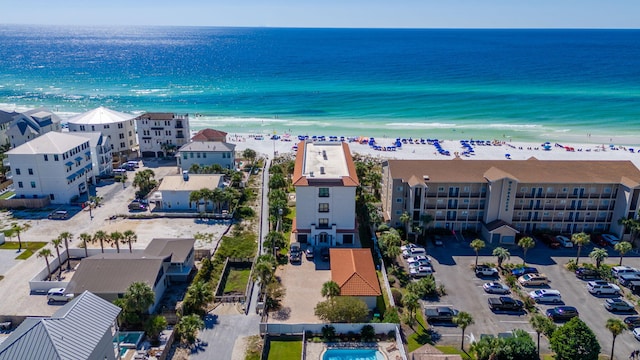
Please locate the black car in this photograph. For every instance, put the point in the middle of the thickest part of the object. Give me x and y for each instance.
(632, 321)
(562, 313)
(585, 274)
(550, 241)
(324, 254)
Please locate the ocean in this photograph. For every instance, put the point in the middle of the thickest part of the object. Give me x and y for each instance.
(527, 85)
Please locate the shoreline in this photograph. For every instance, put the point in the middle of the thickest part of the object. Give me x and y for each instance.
(516, 150)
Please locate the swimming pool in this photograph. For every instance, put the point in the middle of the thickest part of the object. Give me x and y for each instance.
(352, 354)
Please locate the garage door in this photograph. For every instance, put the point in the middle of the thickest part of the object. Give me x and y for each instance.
(508, 239)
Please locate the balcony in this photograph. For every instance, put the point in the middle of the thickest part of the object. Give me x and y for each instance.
(179, 125)
(179, 136)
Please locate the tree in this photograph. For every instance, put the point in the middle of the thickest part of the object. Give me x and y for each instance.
(57, 244)
(632, 225)
(66, 236)
(342, 309)
(425, 219)
(144, 181)
(250, 155)
(598, 255)
(46, 253)
(136, 302)
(188, 327)
(390, 244)
(580, 239)
(274, 240)
(100, 236)
(463, 320)
(411, 303)
(195, 197)
(115, 238)
(623, 247)
(129, 237)
(424, 287)
(520, 346)
(617, 327)
(330, 289)
(198, 295)
(575, 340)
(526, 243)
(541, 325)
(263, 270)
(154, 326)
(86, 238)
(17, 229)
(194, 169)
(404, 219)
(502, 254)
(477, 245)
(277, 181)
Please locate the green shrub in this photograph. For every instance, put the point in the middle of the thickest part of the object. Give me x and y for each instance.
(383, 228)
(572, 265)
(511, 281)
(328, 333)
(391, 315)
(245, 212)
(392, 280)
(397, 296)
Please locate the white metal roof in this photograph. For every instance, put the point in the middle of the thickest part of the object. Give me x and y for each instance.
(100, 116)
(50, 143)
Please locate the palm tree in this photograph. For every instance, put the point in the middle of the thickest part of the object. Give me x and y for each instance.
(526, 243)
(188, 328)
(541, 325)
(623, 247)
(598, 255)
(274, 240)
(115, 238)
(66, 236)
(426, 219)
(57, 244)
(130, 237)
(206, 195)
(330, 289)
(100, 236)
(46, 253)
(250, 155)
(463, 320)
(477, 245)
(198, 295)
(263, 270)
(404, 219)
(411, 303)
(580, 239)
(217, 197)
(502, 254)
(630, 224)
(194, 168)
(194, 197)
(86, 238)
(17, 229)
(616, 326)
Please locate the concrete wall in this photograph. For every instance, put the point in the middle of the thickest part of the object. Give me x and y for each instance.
(342, 206)
(280, 329)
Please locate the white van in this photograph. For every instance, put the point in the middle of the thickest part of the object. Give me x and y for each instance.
(57, 294)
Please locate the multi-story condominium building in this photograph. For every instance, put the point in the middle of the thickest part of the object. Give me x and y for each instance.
(6, 119)
(101, 153)
(325, 180)
(160, 134)
(206, 153)
(118, 127)
(500, 198)
(54, 165)
(31, 124)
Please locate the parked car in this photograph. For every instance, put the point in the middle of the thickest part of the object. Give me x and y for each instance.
(533, 280)
(413, 252)
(585, 273)
(421, 271)
(309, 253)
(628, 279)
(601, 287)
(564, 241)
(598, 240)
(133, 163)
(57, 294)
(562, 313)
(550, 241)
(59, 215)
(618, 305)
(611, 240)
(496, 288)
(632, 321)
(441, 314)
(408, 246)
(482, 270)
(523, 271)
(295, 252)
(419, 263)
(546, 296)
(505, 303)
(418, 258)
(138, 205)
(616, 271)
(636, 333)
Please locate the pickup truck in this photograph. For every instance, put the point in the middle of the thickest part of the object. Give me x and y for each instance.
(440, 314)
(505, 303)
(486, 271)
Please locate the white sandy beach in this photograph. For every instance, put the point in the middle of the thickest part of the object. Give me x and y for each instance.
(516, 150)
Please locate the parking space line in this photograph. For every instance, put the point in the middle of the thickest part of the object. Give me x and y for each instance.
(514, 322)
(438, 305)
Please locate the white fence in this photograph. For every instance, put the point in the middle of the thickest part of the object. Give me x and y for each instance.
(291, 329)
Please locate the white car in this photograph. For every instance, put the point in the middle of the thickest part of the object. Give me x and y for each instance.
(57, 294)
(546, 296)
(564, 241)
(408, 246)
(421, 271)
(611, 239)
(413, 252)
(418, 258)
(601, 287)
(419, 263)
(636, 333)
(496, 288)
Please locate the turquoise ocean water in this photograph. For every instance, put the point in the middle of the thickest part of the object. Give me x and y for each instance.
(527, 85)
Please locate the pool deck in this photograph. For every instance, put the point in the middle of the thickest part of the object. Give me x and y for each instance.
(315, 350)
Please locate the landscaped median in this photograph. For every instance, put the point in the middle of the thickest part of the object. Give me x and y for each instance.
(28, 248)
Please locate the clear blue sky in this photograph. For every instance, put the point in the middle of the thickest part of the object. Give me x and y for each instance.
(330, 13)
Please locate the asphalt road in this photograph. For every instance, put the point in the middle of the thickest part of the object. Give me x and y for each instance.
(453, 264)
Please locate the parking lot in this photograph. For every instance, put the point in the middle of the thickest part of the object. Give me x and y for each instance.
(454, 268)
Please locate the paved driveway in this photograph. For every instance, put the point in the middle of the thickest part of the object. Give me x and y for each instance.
(7, 260)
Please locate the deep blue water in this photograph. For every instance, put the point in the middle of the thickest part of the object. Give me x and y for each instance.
(522, 83)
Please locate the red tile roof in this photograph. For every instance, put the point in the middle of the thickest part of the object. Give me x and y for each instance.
(210, 135)
(354, 272)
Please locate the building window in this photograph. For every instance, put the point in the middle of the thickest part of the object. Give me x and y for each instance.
(564, 189)
(400, 188)
(33, 184)
(20, 185)
(204, 155)
(30, 171)
(120, 126)
(523, 189)
(441, 189)
(399, 200)
(191, 155)
(46, 157)
(17, 171)
(323, 207)
(55, 157)
(184, 156)
(398, 212)
(323, 222)
(121, 136)
(607, 190)
(323, 192)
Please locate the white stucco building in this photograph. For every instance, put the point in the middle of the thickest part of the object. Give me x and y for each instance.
(325, 180)
(54, 165)
(118, 127)
(206, 153)
(30, 124)
(162, 133)
(101, 153)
